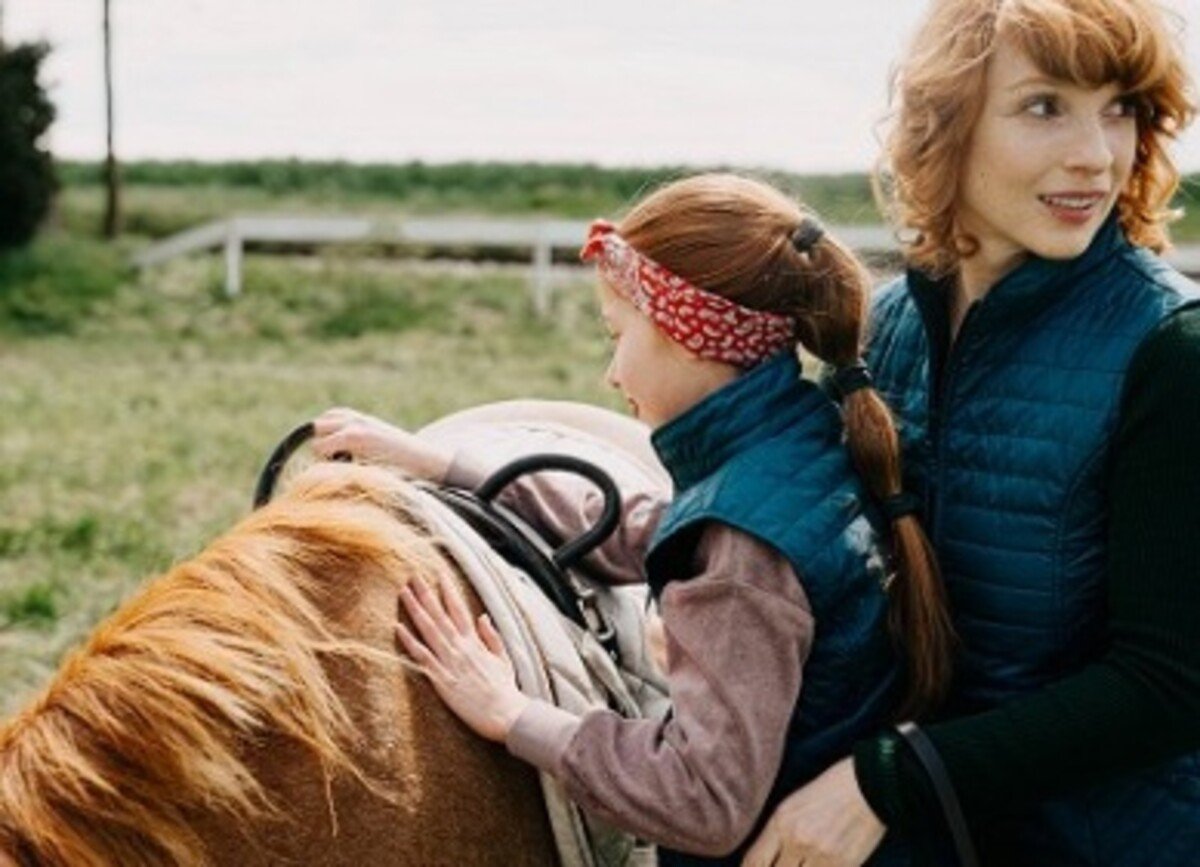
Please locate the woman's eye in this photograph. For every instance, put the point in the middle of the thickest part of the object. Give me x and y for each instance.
(1129, 105)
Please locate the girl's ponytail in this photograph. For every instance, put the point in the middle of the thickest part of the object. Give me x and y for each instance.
(836, 300)
(918, 613)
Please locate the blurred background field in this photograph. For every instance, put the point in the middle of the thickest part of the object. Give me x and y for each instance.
(163, 197)
(136, 408)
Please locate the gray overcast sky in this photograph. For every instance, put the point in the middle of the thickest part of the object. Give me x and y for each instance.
(797, 84)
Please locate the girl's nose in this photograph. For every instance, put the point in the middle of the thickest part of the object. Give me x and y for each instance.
(610, 374)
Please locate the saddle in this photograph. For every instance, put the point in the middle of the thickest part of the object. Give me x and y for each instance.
(574, 640)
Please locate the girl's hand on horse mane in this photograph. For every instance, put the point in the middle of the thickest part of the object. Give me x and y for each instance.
(463, 658)
(363, 437)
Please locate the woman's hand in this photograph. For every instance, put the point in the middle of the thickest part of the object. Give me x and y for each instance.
(825, 824)
(363, 437)
(464, 659)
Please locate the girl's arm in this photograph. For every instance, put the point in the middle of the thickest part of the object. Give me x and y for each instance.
(738, 633)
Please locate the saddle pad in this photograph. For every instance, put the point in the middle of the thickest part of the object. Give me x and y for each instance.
(557, 662)
(497, 433)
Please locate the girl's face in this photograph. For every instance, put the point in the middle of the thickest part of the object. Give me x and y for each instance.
(1045, 165)
(659, 378)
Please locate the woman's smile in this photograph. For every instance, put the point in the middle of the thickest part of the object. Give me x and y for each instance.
(1076, 208)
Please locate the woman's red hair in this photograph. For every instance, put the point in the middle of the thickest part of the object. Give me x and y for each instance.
(938, 92)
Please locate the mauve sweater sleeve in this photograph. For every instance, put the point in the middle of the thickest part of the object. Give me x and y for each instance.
(561, 506)
(737, 634)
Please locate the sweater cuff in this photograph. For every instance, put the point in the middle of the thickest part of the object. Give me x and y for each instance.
(897, 787)
(875, 769)
(541, 735)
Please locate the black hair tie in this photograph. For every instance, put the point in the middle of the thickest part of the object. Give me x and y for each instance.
(844, 381)
(807, 234)
(900, 506)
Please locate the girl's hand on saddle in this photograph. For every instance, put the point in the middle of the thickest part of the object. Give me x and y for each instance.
(827, 823)
(463, 658)
(361, 437)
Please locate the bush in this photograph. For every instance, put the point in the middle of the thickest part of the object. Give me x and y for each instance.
(51, 286)
(27, 182)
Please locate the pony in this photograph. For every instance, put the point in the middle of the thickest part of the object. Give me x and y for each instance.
(249, 707)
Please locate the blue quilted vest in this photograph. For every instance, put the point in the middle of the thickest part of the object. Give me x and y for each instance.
(1009, 449)
(764, 454)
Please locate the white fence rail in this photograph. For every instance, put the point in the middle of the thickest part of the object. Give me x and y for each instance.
(540, 237)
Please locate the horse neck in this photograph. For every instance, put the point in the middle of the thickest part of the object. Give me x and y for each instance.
(433, 792)
(425, 790)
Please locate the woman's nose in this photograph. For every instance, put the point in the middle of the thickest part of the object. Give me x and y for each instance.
(1092, 147)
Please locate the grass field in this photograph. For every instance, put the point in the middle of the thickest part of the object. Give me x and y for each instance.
(131, 431)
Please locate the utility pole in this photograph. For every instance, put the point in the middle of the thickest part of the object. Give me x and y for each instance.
(112, 206)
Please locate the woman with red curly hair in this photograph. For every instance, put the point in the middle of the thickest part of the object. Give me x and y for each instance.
(1044, 364)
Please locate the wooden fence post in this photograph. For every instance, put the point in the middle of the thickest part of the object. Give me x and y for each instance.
(541, 274)
(233, 260)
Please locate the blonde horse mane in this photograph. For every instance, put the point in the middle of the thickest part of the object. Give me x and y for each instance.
(146, 726)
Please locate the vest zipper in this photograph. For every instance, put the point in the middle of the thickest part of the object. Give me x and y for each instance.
(940, 394)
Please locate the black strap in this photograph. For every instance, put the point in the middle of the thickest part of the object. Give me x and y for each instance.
(943, 789)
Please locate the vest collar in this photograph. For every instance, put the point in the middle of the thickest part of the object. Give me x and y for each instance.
(1025, 291)
(757, 406)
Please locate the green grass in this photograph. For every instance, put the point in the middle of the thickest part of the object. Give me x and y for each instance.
(1188, 199)
(32, 606)
(51, 287)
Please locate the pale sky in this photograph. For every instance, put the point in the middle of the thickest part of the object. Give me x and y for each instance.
(799, 84)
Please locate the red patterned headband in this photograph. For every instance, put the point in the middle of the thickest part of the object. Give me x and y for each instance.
(708, 325)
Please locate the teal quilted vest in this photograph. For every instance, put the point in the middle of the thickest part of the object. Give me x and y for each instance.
(1006, 438)
(764, 454)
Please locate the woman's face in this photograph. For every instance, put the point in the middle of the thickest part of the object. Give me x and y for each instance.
(1045, 165)
(658, 377)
